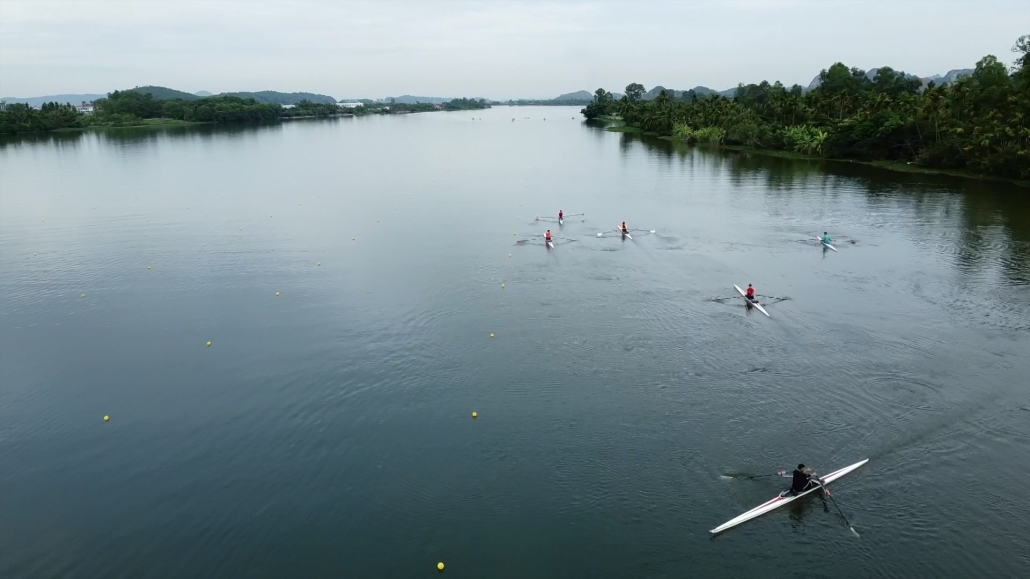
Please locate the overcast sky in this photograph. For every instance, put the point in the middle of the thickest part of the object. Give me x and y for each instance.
(510, 49)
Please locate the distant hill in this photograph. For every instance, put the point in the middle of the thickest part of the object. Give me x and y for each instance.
(74, 99)
(282, 98)
(203, 93)
(700, 91)
(937, 79)
(948, 78)
(579, 95)
(165, 94)
(408, 99)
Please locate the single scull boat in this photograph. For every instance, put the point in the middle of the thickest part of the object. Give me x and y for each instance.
(624, 234)
(779, 501)
(826, 244)
(743, 294)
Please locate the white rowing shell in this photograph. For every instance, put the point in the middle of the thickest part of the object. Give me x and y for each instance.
(743, 294)
(780, 501)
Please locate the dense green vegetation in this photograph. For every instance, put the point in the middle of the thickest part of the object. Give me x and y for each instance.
(142, 106)
(126, 107)
(307, 108)
(979, 123)
(20, 118)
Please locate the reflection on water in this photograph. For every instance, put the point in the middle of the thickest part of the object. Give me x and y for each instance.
(138, 135)
(983, 225)
(364, 293)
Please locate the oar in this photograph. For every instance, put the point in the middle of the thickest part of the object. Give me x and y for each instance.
(575, 214)
(826, 493)
(647, 230)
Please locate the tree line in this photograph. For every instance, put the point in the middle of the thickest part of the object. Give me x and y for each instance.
(979, 123)
(130, 107)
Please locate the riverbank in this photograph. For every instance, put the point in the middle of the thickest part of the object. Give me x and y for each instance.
(888, 165)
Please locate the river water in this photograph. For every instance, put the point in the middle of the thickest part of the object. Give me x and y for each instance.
(327, 431)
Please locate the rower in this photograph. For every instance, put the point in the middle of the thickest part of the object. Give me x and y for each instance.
(803, 481)
(561, 215)
(547, 236)
(625, 230)
(826, 238)
(751, 294)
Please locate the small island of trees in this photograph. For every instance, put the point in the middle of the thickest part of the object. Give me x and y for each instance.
(128, 108)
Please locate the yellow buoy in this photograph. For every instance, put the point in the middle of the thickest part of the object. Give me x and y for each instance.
(148, 267)
(354, 239)
(106, 418)
(319, 264)
(34, 255)
(509, 255)
(491, 335)
(475, 414)
(276, 294)
(209, 344)
(502, 286)
(440, 566)
(83, 295)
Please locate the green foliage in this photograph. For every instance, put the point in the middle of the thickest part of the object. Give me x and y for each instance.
(603, 104)
(465, 104)
(980, 123)
(705, 135)
(635, 92)
(19, 118)
(123, 107)
(306, 108)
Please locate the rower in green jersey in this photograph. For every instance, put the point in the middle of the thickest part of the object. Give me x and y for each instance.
(826, 238)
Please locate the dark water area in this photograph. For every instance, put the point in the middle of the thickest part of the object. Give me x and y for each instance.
(327, 430)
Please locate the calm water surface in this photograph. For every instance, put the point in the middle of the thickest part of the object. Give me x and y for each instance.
(327, 432)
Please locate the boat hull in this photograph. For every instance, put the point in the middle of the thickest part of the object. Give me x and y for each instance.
(779, 501)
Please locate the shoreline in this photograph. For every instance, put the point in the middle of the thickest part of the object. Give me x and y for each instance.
(162, 123)
(886, 165)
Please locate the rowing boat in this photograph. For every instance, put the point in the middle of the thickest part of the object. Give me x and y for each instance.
(624, 234)
(561, 221)
(550, 245)
(826, 244)
(743, 294)
(779, 501)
